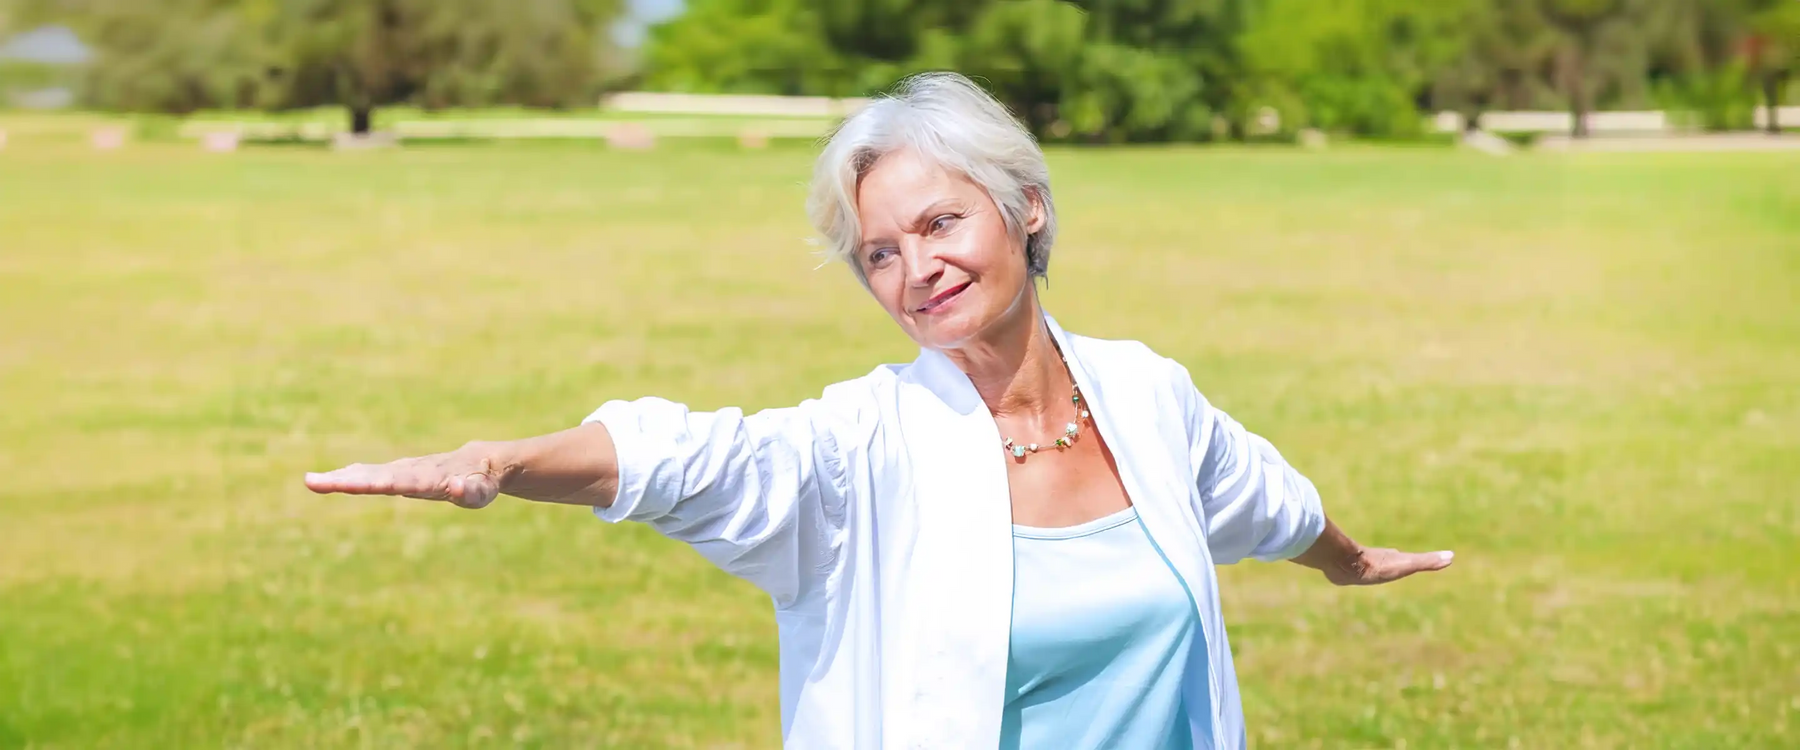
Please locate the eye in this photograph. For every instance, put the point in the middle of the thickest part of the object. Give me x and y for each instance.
(880, 256)
(943, 223)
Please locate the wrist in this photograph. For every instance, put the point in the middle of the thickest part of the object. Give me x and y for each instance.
(499, 460)
(1342, 560)
(1354, 562)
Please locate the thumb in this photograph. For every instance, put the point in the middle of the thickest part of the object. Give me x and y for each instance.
(1425, 561)
(473, 491)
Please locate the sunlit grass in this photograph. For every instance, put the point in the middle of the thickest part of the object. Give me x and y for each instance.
(1581, 373)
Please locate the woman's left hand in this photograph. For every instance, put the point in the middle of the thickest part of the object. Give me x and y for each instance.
(1381, 565)
(1346, 563)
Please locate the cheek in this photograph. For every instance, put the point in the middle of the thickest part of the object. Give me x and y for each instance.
(886, 292)
(993, 252)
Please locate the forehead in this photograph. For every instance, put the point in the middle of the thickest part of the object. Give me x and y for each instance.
(903, 183)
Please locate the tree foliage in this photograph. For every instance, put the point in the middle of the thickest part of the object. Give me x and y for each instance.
(173, 56)
(182, 55)
(1774, 50)
(1077, 70)
(1122, 70)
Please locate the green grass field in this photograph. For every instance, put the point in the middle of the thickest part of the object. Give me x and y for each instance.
(1582, 373)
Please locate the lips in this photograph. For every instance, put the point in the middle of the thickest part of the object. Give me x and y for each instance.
(943, 297)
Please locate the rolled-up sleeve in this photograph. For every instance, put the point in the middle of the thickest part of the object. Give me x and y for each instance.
(760, 495)
(1254, 502)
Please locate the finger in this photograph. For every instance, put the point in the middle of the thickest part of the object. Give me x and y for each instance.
(1420, 562)
(396, 478)
(352, 479)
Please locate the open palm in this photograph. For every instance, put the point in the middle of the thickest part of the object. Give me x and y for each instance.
(1383, 565)
(464, 478)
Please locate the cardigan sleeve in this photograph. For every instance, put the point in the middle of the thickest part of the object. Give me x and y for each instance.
(763, 495)
(1255, 504)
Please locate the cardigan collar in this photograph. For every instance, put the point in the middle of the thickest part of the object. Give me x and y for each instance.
(950, 383)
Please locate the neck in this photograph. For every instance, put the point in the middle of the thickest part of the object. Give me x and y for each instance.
(1017, 369)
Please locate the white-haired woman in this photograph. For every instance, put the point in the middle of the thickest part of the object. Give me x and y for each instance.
(1009, 541)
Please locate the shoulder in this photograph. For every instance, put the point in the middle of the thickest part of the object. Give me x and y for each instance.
(1127, 366)
(1127, 359)
(1128, 348)
(855, 402)
(864, 387)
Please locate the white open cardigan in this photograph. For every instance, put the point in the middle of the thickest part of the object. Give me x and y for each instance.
(878, 518)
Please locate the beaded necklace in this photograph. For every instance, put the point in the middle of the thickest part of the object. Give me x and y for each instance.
(1070, 431)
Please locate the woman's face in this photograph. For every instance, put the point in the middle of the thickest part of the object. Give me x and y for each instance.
(937, 253)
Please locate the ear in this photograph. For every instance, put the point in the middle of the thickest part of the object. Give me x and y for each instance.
(1037, 216)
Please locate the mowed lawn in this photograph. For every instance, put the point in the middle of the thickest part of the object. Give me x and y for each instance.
(1582, 373)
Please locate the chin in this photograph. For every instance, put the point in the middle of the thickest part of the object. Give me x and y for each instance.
(950, 332)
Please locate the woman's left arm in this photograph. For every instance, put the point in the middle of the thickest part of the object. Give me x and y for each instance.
(1258, 505)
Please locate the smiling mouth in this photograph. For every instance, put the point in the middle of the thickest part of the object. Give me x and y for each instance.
(943, 297)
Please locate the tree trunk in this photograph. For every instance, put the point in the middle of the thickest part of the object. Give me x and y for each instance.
(1772, 95)
(360, 117)
(1578, 100)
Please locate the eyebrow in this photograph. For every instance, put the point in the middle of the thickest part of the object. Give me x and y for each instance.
(926, 214)
(931, 212)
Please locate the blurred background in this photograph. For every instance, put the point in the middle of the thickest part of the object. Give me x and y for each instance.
(1098, 72)
(1512, 277)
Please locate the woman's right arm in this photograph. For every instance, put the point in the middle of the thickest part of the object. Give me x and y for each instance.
(577, 466)
(763, 496)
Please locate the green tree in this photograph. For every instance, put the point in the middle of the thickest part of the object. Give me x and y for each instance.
(1122, 70)
(175, 56)
(1363, 66)
(1590, 30)
(747, 47)
(364, 54)
(1111, 70)
(1717, 58)
(1199, 38)
(1509, 61)
(1774, 51)
(182, 55)
(1030, 54)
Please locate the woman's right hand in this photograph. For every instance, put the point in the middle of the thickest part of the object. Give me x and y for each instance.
(468, 477)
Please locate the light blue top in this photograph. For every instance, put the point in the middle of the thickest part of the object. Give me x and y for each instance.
(1102, 630)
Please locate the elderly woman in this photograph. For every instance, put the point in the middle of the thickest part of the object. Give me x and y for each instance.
(1009, 541)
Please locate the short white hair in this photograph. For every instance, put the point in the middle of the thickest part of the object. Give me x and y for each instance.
(947, 119)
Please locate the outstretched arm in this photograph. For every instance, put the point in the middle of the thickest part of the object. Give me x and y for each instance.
(1258, 505)
(760, 495)
(577, 466)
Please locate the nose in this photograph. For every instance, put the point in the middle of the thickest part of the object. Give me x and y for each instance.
(923, 266)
